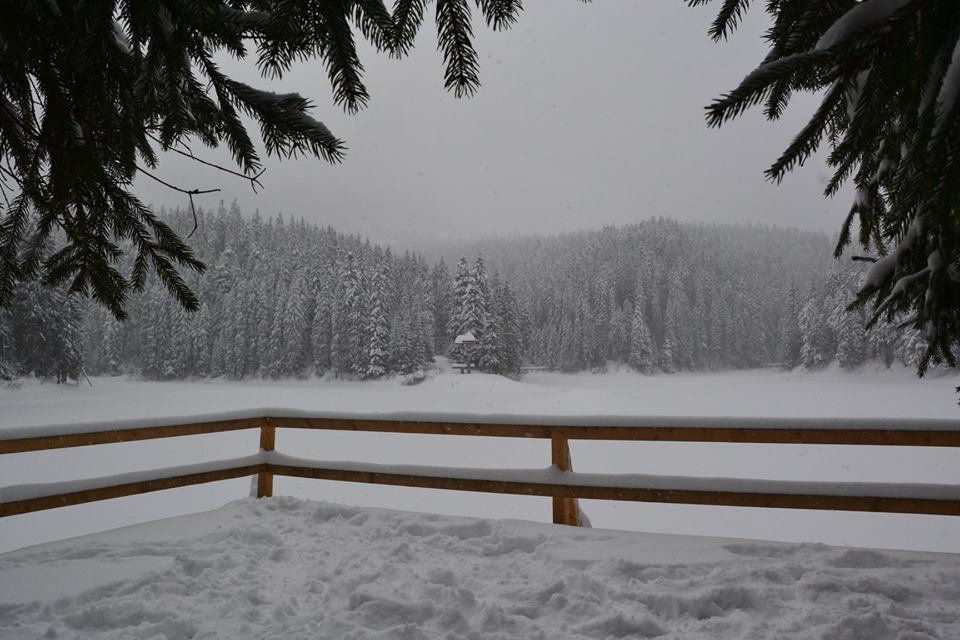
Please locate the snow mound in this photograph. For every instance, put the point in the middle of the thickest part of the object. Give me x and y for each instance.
(287, 568)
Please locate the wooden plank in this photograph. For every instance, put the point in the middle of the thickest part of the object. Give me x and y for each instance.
(715, 498)
(565, 510)
(734, 435)
(737, 435)
(133, 488)
(416, 426)
(637, 433)
(268, 439)
(43, 443)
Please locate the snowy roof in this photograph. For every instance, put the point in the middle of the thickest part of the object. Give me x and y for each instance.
(464, 337)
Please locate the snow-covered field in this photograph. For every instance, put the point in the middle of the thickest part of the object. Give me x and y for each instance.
(751, 393)
(285, 569)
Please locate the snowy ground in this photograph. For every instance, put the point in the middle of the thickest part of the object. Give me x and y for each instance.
(286, 569)
(753, 393)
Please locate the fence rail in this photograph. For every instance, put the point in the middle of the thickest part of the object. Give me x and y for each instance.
(564, 494)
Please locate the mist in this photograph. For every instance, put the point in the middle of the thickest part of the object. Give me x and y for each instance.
(588, 115)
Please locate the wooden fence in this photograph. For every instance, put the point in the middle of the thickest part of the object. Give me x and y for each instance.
(564, 493)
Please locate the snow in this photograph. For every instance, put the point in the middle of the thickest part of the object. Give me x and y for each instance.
(890, 395)
(854, 93)
(120, 38)
(547, 475)
(947, 98)
(884, 268)
(29, 491)
(859, 18)
(286, 568)
(553, 475)
(464, 337)
(611, 420)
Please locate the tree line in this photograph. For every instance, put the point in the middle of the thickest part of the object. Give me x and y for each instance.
(285, 299)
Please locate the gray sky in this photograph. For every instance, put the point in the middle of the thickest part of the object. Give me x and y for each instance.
(589, 114)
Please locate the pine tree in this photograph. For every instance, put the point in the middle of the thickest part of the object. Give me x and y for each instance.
(351, 320)
(817, 348)
(378, 331)
(469, 305)
(642, 356)
(789, 339)
(489, 345)
(462, 318)
(320, 334)
(149, 80)
(111, 347)
(888, 73)
(440, 304)
(7, 366)
(44, 328)
(672, 349)
(511, 330)
(851, 343)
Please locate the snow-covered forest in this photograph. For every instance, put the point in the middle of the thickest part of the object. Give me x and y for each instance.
(288, 299)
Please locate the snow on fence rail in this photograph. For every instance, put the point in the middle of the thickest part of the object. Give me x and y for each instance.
(558, 481)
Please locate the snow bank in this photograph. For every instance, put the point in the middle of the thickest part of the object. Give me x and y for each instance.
(284, 568)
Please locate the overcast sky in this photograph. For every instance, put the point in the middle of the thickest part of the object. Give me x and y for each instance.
(589, 114)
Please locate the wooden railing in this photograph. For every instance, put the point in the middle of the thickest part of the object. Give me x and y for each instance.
(561, 484)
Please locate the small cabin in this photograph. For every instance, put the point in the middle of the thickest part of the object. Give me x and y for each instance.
(466, 342)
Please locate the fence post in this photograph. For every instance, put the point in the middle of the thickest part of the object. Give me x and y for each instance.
(268, 437)
(565, 510)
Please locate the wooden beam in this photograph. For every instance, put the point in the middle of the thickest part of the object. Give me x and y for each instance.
(565, 510)
(43, 443)
(416, 426)
(739, 435)
(804, 436)
(268, 439)
(878, 437)
(129, 489)
(714, 498)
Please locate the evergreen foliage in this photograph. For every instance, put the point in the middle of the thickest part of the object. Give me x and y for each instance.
(281, 299)
(889, 73)
(789, 336)
(91, 91)
(285, 299)
(378, 330)
(642, 355)
(41, 334)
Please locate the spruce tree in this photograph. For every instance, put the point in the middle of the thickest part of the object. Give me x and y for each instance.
(440, 304)
(463, 317)
(888, 73)
(320, 333)
(351, 320)
(511, 330)
(789, 338)
(92, 92)
(642, 355)
(817, 349)
(490, 344)
(378, 330)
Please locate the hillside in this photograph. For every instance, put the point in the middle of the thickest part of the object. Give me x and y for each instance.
(284, 299)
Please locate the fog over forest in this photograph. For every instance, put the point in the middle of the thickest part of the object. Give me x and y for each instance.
(287, 299)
